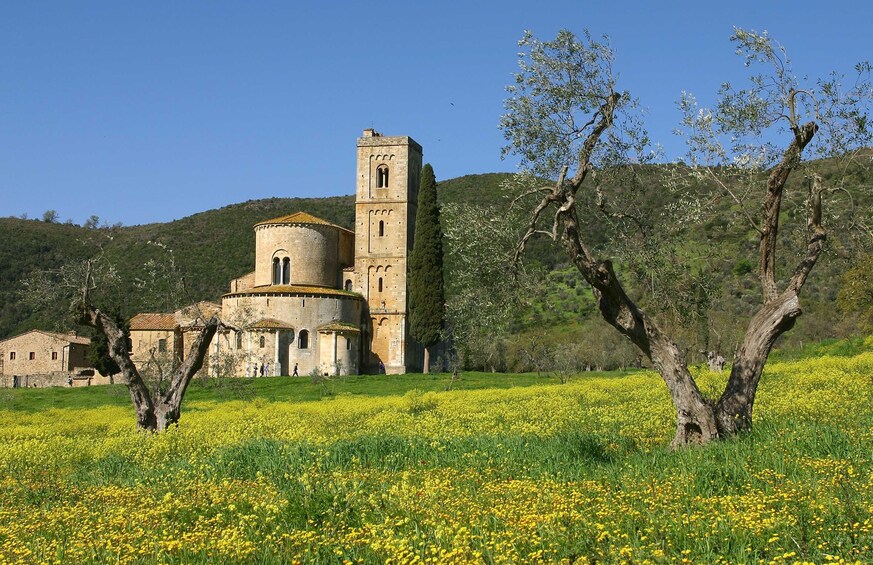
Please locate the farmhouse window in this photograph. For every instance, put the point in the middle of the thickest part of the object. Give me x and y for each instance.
(32, 356)
(162, 346)
(303, 339)
(12, 356)
(54, 355)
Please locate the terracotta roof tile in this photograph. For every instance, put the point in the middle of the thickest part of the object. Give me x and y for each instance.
(300, 218)
(153, 321)
(337, 326)
(271, 324)
(295, 289)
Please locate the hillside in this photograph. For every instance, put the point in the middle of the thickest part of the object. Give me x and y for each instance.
(215, 246)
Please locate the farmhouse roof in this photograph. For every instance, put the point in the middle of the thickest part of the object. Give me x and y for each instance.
(153, 321)
(68, 337)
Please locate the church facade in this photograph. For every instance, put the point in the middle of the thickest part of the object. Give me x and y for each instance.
(323, 299)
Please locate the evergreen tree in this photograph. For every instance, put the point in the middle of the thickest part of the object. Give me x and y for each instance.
(426, 295)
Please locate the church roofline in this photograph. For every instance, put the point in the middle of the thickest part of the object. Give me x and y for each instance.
(271, 324)
(338, 327)
(302, 219)
(295, 290)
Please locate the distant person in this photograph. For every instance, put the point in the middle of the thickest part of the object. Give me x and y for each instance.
(263, 369)
(295, 371)
(70, 381)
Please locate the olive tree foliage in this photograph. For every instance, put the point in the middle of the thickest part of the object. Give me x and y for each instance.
(90, 294)
(567, 120)
(481, 303)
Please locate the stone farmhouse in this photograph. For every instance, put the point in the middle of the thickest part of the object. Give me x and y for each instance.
(38, 358)
(321, 299)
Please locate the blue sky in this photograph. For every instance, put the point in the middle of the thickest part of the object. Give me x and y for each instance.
(151, 111)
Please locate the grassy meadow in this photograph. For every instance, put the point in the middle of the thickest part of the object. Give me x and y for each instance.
(423, 469)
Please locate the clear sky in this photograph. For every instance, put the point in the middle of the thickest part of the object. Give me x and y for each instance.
(151, 111)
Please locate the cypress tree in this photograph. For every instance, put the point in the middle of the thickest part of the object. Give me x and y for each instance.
(426, 295)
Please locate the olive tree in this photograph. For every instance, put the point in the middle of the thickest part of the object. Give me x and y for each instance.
(90, 291)
(567, 120)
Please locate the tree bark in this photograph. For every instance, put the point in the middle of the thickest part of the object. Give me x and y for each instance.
(734, 408)
(154, 411)
(695, 416)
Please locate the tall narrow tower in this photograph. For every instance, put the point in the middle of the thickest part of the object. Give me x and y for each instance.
(385, 206)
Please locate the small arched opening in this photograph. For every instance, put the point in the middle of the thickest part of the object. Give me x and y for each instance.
(303, 339)
(277, 271)
(382, 176)
(286, 270)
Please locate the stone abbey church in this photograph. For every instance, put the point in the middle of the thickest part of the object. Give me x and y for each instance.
(321, 298)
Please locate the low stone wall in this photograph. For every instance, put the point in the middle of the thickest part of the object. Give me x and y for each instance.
(79, 377)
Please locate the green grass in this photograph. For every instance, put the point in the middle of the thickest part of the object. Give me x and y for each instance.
(281, 389)
(798, 485)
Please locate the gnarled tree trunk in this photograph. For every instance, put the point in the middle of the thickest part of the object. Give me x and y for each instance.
(155, 411)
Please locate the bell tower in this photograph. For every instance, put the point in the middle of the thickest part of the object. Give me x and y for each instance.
(385, 205)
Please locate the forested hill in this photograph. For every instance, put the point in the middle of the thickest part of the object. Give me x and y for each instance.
(213, 247)
(210, 248)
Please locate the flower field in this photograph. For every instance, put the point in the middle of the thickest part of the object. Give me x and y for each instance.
(540, 473)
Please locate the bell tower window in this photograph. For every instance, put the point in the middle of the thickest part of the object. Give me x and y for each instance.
(382, 176)
(286, 271)
(277, 271)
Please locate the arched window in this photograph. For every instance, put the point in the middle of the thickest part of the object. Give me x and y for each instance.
(381, 228)
(277, 271)
(348, 343)
(382, 176)
(349, 285)
(263, 341)
(286, 270)
(380, 284)
(303, 339)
